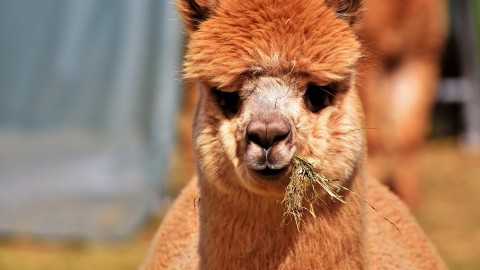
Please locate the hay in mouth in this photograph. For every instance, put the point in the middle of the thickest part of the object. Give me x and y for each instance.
(302, 181)
(301, 189)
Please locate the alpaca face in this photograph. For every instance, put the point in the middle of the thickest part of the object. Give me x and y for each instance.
(277, 78)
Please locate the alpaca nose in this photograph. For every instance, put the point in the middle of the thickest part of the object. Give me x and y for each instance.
(268, 131)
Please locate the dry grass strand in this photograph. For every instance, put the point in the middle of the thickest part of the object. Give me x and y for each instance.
(301, 191)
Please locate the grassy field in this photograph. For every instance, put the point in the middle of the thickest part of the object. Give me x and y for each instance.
(451, 211)
(24, 254)
(450, 215)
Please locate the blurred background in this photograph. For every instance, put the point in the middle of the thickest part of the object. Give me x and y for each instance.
(95, 133)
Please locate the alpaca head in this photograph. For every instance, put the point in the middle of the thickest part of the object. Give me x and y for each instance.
(277, 78)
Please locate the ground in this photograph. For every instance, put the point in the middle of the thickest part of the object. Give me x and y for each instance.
(451, 211)
(450, 215)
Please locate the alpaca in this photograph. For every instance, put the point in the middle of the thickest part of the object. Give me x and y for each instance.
(403, 41)
(277, 78)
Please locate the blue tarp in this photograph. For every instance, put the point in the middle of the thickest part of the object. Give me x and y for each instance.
(89, 92)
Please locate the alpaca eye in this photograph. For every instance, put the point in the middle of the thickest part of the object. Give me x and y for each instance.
(228, 102)
(318, 97)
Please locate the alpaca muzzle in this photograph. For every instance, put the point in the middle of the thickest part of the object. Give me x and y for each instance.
(270, 145)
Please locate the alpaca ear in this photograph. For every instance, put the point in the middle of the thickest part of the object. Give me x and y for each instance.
(194, 12)
(348, 10)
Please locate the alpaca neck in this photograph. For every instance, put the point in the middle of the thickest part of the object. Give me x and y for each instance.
(242, 230)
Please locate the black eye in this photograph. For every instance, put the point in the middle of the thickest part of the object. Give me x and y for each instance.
(228, 102)
(318, 97)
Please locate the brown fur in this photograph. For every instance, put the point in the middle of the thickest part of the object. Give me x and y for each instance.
(403, 40)
(269, 51)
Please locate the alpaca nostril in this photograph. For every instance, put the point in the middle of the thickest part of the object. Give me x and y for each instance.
(255, 139)
(280, 137)
(267, 132)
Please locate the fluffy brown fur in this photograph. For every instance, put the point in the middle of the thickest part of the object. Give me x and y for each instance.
(277, 57)
(403, 40)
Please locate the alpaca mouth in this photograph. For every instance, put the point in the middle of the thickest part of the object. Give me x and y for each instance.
(272, 174)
